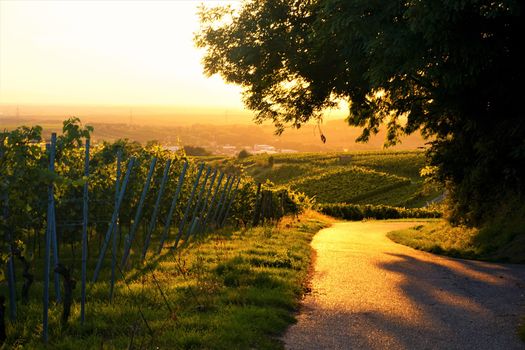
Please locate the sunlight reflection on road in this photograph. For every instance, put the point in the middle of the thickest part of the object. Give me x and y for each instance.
(371, 293)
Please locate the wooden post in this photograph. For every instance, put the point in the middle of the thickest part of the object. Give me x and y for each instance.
(138, 215)
(153, 220)
(84, 235)
(172, 207)
(113, 219)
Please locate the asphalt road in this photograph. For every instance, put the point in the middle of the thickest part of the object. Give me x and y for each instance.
(371, 293)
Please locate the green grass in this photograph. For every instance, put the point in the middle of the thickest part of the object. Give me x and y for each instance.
(521, 330)
(501, 241)
(231, 290)
(440, 238)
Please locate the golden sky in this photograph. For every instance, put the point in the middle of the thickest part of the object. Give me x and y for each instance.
(106, 52)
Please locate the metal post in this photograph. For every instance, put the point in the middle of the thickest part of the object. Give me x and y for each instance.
(206, 201)
(172, 207)
(47, 258)
(138, 215)
(193, 226)
(257, 210)
(113, 219)
(188, 205)
(115, 231)
(153, 220)
(84, 234)
(221, 199)
(230, 203)
(197, 205)
(212, 202)
(223, 205)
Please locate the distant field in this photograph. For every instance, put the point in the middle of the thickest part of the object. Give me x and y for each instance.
(388, 178)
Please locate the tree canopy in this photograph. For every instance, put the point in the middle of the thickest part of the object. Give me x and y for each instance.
(450, 69)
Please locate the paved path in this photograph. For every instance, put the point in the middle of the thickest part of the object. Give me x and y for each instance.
(371, 293)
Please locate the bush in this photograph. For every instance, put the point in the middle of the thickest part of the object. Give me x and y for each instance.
(196, 151)
(359, 212)
(243, 154)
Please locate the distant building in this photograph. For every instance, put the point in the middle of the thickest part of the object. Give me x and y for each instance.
(258, 149)
(172, 148)
(228, 149)
(289, 151)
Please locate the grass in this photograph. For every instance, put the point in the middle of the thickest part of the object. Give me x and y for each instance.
(440, 238)
(230, 290)
(497, 241)
(521, 330)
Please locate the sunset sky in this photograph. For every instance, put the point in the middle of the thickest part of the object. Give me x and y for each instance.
(106, 53)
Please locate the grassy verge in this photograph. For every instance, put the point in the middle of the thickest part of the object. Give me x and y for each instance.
(498, 243)
(439, 238)
(231, 290)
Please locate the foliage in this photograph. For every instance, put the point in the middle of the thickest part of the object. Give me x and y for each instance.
(284, 201)
(355, 212)
(450, 69)
(23, 182)
(196, 151)
(243, 154)
(229, 290)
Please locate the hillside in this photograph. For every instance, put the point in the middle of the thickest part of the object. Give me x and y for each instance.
(387, 178)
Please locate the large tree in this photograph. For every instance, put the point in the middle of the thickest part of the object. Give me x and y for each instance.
(451, 69)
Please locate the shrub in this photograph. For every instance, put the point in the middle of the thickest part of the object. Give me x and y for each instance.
(380, 212)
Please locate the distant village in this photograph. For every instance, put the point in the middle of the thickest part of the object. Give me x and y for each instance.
(255, 149)
(230, 150)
